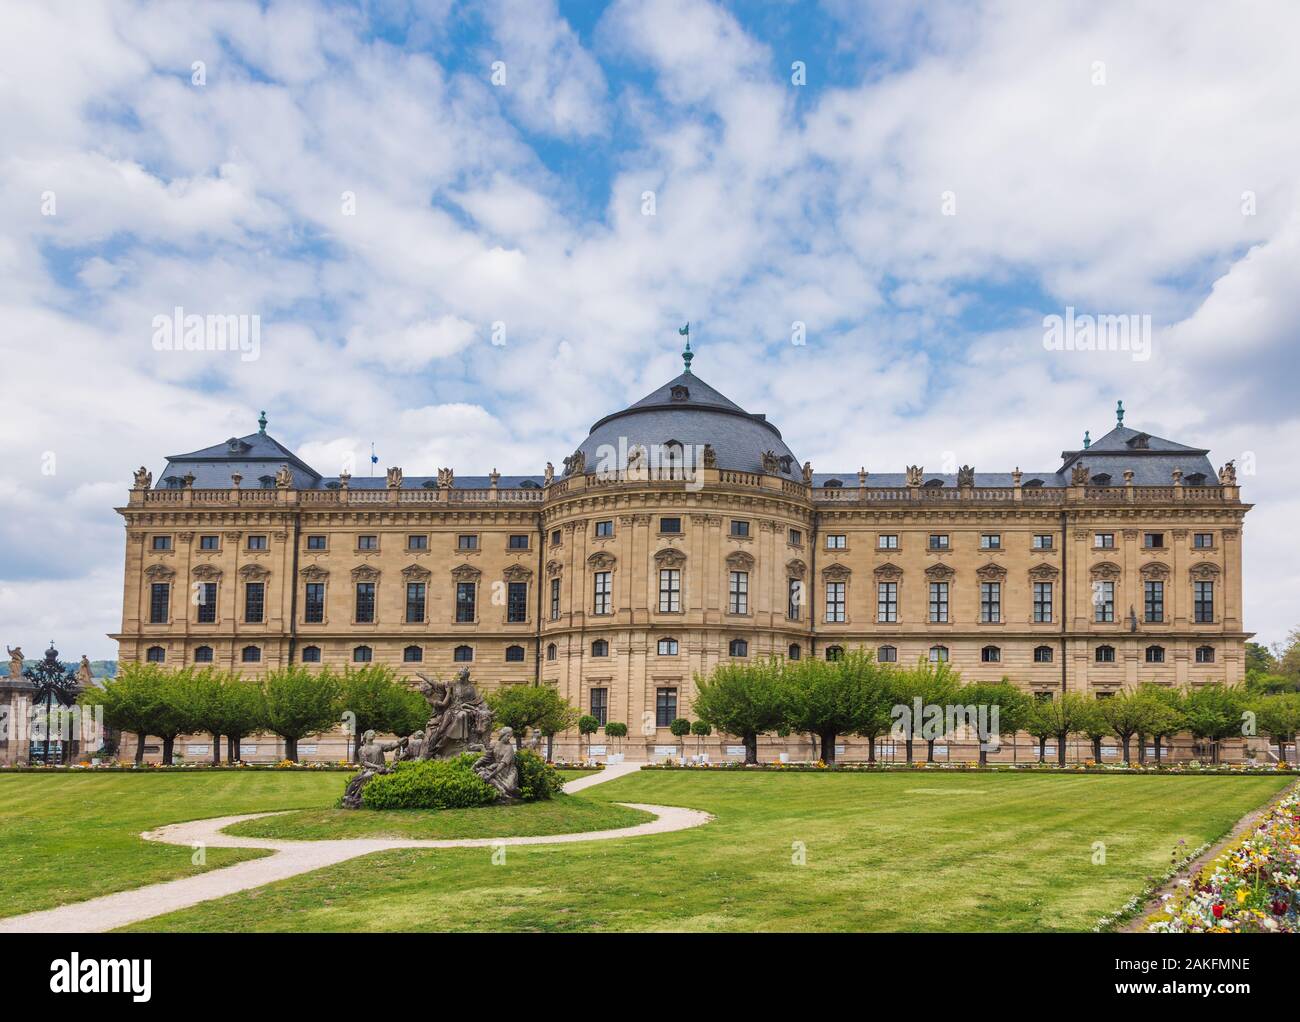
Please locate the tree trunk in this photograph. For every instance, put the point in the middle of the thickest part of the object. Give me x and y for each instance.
(1142, 749)
(871, 751)
(169, 746)
(1060, 750)
(291, 750)
(1126, 739)
(1042, 749)
(232, 757)
(827, 739)
(1096, 750)
(1281, 751)
(216, 749)
(139, 748)
(356, 746)
(751, 749)
(908, 745)
(929, 750)
(1159, 739)
(550, 747)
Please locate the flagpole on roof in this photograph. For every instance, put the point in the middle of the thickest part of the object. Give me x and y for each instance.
(373, 459)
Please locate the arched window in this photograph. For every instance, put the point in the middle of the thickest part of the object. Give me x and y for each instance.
(412, 655)
(667, 647)
(552, 651)
(834, 652)
(251, 655)
(203, 655)
(1105, 654)
(933, 484)
(1155, 654)
(1042, 654)
(1032, 482)
(311, 654)
(268, 482)
(990, 655)
(738, 647)
(938, 654)
(832, 483)
(463, 654)
(1100, 479)
(515, 654)
(1205, 654)
(887, 654)
(600, 648)
(362, 655)
(795, 651)
(155, 654)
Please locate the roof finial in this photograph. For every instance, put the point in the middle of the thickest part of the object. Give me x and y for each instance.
(1119, 413)
(1087, 440)
(687, 354)
(261, 423)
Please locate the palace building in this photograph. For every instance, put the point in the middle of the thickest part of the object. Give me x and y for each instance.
(680, 534)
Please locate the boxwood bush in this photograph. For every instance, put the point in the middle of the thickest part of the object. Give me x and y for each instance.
(452, 784)
(537, 778)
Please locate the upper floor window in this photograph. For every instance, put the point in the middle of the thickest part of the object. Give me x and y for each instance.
(887, 654)
(365, 602)
(738, 647)
(938, 541)
(667, 647)
(1103, 601)
(552, 651)
(415, 602)
(887, 541)
(315, 542)
(670, 590)
(256, 542)
(835, 612)
(462, 654)
(518, 541)
(467, 541)
(836, 541)
(557, 535)
(1153, 540)
(311, 654)
(991, 541)
(990, 602)
(314, 603)
(670, 525)
(162, 542)
(555, 599)
(514, 654)
(155, 655)
(1203, 540)
(1042, 602)
(160, 598)
(938, 603)
(420, 542)
(254, 601)
(367, 542)
(738, 593)
(517, 602)
(605, 528)
(887, 602)
(1043, 541)
(206, 609)
(794, 598)
(209, 543)
(1103, 540)
(796, 537)
(466, 601)
(1203, 602)
(600, 648)
(603, 593)
(1153, 599)
(739, 528)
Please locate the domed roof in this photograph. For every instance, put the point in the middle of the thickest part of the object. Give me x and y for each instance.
(687, 410)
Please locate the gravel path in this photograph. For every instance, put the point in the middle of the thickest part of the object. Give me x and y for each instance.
(294, 857)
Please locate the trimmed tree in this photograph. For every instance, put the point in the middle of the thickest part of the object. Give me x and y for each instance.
(830, 698)
(933, 684)
(1167, 720)
(520, 707)
(243, 713)
(617, 729)
(1278, 717)
(300, 703)
(588, 726)
(204, 697)
(1012, 707)
(680, 728)
(1064, 716)
(1040, 725)
(1094, 726)
(1128, 714)
(175, 713)
(701, 731)
(1214, 713)
(742, 699)
(373, 699)
(129, 701)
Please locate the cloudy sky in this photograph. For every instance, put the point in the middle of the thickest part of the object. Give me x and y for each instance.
(383, 182)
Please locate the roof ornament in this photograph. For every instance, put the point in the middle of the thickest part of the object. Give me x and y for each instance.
(261, 423)
(687, 354)
(1087, 440)
(1119, 413)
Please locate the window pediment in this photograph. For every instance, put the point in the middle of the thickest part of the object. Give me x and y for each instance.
(1044, 572)
(416, 573)
(206, 572)
(554, 568)
(740, 561)
(1105, 570)
(1205, 571)
(888, 572)
(518, 573)
(1155, 570)
(314, 573)
(159, 572)
(796, 568)
(836, 572)
(463, 573)
(939, 572)
(991, 572)
(670, 557)
(253, 572)
(601, 559)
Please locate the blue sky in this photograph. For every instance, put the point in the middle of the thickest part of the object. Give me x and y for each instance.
(945, 176)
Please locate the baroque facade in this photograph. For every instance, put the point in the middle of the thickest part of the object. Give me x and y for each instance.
(683, 533)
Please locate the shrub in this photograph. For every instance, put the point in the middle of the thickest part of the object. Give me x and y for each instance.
(537, 779)
(429, 784)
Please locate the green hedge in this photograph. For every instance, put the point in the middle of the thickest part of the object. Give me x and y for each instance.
(537, 778)
(452, 784)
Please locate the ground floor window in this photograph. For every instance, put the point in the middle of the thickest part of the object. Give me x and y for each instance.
(665, 706)
(599, 703)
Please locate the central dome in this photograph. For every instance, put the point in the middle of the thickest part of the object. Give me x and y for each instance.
(687, 410)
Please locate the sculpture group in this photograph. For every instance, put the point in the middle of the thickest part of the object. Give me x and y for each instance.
(459, 721)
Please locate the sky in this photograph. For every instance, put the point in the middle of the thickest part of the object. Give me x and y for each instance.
(468, 230)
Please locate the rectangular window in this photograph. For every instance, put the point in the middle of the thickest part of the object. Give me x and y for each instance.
(939, 603)
(796, 537)
(938, 541)
(605, 528)
(665, 706)
(415, 600)
(990, 602)
(555, 599)
(367, 542)
(1043, 541)
(160, 598)
(670, 525)
(1042, 602)
(794, 599)
(1203, 540)
(314, 603)
(209, 543)
(599, 703)
(467, 542)
(315, 542)
(738, 593)
(670, 590)
(256, 542)
(518, 541)
(517, 602)
(207, 609)
(254, 600)
(162, 542)
(365, 602)
(1104, 540)
(1203, 602)
(417, 542)
(836, 541)
(739, 528)
(603, 593)
(887, 602)
(1154, 601)
(466, 593)
(835, 602)
(991, 541)
(1103, 600)
(556, 536)
(887, 542)
(1153, 540)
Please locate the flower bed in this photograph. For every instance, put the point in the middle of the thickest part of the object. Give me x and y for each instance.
(1193, 767)
(127, 766)
(1253, 887)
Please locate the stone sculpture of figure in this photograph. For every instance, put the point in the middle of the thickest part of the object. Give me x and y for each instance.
(1228, 475)
(1079, 475)
(549, 476)
(394, 478)
(710, 456)
(446, 478)
(414, 748)
(438, 695)
(15, 662)
(575, 464)
(914, 474)
(84, 675)
(497, 765)
(965, 476)
(143, 478)
(372, 765)
(283, 477)
(807, 473)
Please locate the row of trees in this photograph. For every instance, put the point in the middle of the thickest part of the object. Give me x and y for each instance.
(292, 702)
(856, 695)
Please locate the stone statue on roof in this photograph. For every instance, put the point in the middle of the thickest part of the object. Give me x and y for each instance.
(143, 478)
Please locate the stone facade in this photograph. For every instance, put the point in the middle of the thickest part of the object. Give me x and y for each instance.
(568, 571)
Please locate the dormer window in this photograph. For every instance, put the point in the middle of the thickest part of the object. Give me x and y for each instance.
(528, 484)
(785, 460)
(1100, 479)
(173, 482)
(236, 446)
(268, 482)
(1031, 482)
(680, 393)
(932, 484)
(1141, 442)
(430, 484)
(1195, 479)
(832, 484)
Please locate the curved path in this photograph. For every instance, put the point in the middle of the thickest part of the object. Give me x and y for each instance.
(292, 858)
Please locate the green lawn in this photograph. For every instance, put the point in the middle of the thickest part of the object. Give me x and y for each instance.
(897, 851)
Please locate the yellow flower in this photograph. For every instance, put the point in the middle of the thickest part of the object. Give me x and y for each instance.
(1241, 896)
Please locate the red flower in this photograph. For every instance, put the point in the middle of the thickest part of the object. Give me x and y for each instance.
(1279, 907)
(1218, 911)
